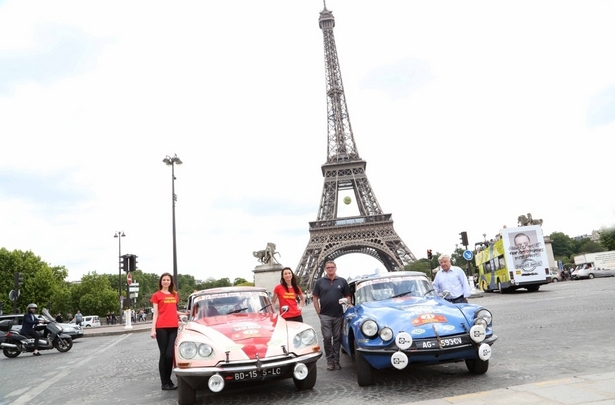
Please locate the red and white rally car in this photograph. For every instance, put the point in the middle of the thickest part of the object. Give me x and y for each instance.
(233, 335)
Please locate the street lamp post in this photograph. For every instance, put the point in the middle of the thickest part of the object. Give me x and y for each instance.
(172, 161)
(119, 235)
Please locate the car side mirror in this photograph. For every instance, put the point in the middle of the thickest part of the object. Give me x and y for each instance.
(285, 309)
(183, 318)
(445, 294)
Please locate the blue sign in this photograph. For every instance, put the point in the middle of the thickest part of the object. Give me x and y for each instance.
(468, 255)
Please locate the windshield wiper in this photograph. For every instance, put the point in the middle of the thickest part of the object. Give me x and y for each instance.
(402, 294)
(237, 310)
(265, 307)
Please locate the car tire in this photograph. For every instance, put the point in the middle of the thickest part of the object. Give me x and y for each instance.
(186, 395)
(591, 276)
(365, 375)
(308, 382)
(477, 366)
(554, 280)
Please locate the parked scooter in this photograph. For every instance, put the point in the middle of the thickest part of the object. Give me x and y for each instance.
(52, 338)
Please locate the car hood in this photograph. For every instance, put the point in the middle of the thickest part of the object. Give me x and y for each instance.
(244, 336)
(422, 317)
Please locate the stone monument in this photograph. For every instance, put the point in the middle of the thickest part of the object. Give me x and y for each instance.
(267, 274)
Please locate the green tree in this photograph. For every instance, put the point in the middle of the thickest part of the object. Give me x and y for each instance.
(587, 245)
(563, 245)
(94, 295)
(607, 238)
(42, 283)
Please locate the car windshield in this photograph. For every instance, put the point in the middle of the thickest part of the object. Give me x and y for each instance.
(390, 287)
(228, 303)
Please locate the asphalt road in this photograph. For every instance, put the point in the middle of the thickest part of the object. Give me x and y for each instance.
(563, 330)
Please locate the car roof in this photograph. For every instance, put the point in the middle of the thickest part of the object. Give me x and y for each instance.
(218, 290)
(387, 275)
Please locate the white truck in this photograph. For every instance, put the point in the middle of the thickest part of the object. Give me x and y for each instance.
(601, 260)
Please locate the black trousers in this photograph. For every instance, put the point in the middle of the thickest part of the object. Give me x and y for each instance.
(166, 339)
(34, 334)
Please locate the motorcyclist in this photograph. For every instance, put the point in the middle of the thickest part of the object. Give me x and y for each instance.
(27, 328)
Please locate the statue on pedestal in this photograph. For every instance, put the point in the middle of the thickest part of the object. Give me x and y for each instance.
(267, 255)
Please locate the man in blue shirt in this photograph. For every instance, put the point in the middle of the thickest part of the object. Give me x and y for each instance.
(452, 279)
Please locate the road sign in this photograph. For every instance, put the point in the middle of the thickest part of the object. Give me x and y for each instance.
(14, 294)
(468, 255)
(129, 278)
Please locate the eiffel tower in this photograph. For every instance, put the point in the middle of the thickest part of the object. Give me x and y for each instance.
(371, 232)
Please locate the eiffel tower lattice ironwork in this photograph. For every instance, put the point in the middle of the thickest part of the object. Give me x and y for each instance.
(371, 232)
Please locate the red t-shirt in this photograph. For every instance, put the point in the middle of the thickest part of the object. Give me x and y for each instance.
(287, 298)
(167, 309)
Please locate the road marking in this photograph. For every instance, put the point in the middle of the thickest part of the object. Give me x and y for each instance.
(39, 389)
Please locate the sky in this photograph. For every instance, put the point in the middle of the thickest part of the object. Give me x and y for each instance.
(468, 115)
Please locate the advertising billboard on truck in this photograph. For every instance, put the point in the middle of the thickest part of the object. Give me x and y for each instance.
(517, 259)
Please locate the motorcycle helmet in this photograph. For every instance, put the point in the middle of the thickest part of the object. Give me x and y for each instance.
(32, 306)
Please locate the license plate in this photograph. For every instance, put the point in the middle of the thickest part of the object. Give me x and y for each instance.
(434, 344)
(266, 372)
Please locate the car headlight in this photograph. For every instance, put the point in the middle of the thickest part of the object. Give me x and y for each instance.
(386, 334)
(205, 350)
(305, 338)
(483, 317)
(369, 328)
(190, 349)
(187, 350)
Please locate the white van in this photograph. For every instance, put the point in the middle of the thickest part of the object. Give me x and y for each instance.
(91, 321)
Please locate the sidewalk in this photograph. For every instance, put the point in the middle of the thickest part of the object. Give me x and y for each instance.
(108, 330)
(593, 389)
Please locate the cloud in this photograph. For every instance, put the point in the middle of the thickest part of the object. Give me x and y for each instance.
(51, 194)
(601, 109)
(398, 80)
(59, 51)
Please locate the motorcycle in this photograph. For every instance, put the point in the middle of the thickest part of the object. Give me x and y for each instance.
(52, 338)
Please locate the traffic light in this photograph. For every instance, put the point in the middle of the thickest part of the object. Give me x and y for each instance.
(464, 238)
(429, 255)
(125, 263)
(18, 280)
(132, 263)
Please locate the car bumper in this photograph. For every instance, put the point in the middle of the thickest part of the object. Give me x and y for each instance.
(243, 367)
(381, 358)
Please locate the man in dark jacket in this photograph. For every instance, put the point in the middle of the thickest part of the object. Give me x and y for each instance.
(27, 328)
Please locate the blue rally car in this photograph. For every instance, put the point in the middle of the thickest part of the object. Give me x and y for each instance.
(397, 320)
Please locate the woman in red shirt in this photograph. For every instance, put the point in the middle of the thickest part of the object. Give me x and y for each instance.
(287, 292)
(164, 326)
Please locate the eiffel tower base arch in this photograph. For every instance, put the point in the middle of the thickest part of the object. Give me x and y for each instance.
(371, 235)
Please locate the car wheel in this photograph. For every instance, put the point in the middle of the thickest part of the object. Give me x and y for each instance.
(63, 345)
(364, 369)
(477, 366)
(308, 382)
(554, 280)
(10, 352)
(186, 395)
(590, 276)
